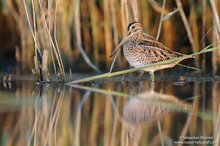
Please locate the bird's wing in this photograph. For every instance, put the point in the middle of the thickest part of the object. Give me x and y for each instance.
(155, 51)
(151, 41)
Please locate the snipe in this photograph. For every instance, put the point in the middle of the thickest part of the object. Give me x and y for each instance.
(140, 50)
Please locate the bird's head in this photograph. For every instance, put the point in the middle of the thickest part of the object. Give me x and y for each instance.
(133, 28)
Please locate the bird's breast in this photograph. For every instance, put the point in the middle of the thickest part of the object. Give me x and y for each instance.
(132, 55)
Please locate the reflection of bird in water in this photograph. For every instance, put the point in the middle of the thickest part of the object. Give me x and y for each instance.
(148, 109)
(140, 51)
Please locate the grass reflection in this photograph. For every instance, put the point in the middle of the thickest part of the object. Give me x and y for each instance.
(108, 114)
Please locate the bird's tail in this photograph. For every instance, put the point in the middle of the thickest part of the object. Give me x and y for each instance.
(184, 57)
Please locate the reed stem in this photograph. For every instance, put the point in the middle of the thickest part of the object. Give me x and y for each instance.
(161, 20)
(78, 36)
(186, 24)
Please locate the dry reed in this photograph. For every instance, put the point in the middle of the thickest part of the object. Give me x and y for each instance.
(93, 29)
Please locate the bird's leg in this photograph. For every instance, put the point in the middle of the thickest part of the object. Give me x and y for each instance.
(152, 81)
(152, 77)
(141, 74)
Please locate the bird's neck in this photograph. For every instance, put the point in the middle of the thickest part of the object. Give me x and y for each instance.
(133, 40)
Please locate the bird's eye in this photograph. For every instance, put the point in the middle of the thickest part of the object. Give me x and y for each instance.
(132, 27)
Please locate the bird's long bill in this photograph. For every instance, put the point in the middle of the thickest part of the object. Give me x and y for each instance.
(116, 49)
(122, 42)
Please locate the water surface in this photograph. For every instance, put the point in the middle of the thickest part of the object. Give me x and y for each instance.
(110, 113)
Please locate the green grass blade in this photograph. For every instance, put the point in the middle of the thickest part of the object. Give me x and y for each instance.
(141, 68)
(190, 67)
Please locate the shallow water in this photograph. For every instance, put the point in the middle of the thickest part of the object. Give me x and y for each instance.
(112, 112)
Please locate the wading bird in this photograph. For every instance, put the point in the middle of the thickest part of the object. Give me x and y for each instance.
(140, 50)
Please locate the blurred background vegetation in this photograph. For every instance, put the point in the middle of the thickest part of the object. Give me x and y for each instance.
(81, 34)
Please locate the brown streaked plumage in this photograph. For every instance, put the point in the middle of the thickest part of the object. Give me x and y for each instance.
(140, 50)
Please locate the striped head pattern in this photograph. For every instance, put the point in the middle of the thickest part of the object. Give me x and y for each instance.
(135, 27)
